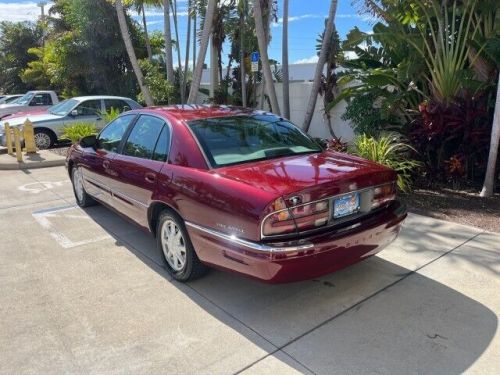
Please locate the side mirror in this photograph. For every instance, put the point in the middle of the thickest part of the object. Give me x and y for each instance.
(89, 141)
(74, 113)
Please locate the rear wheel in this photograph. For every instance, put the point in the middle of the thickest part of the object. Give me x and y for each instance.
(44, 139)
(173, 241)
(82, 198)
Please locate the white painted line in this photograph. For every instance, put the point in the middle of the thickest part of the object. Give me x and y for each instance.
(43, 216)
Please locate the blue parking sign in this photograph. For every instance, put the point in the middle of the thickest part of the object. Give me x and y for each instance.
(255, 57)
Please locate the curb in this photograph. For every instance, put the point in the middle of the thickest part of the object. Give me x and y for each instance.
(22, 165)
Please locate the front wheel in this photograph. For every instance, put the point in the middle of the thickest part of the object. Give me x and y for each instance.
(173, 241)
(82, 198)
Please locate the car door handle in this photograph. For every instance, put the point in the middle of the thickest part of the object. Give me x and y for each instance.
(105, 164)
(150, 177)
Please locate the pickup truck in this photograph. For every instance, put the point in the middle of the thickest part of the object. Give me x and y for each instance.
(32, 100)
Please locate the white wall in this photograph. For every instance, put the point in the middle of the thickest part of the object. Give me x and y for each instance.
(299, 96)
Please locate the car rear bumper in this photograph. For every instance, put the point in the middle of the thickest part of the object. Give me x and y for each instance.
(320, 254)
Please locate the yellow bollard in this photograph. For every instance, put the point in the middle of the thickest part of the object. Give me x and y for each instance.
(17, 144)
(29, 137)
(8, 138)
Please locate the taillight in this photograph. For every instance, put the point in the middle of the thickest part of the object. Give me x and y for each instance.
(383, 194)
(284, 220)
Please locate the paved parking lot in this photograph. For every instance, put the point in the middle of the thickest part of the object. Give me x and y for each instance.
(83, 291)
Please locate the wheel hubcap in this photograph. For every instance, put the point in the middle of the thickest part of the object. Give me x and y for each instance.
(78, 183)
(173, 245)
(42, 141)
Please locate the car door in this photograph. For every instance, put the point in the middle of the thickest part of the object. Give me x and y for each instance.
(136, 168)
(97, 171)
(88, 111)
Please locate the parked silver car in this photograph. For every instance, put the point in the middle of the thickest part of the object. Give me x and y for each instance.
(49, 124)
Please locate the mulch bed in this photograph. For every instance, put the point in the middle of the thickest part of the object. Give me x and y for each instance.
(460, 206)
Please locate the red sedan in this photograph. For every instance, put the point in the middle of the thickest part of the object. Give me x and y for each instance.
(240, 190)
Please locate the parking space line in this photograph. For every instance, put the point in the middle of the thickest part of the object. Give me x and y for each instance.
(42, 217)
(359, 303)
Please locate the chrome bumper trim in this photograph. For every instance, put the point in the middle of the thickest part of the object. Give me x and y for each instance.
(251, 245)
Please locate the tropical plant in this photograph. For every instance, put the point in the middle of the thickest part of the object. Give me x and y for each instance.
(78, 130)
(329, 27)
(391, 151)
(168, 41)
(110, 114)
(284, 60)
(162, 91)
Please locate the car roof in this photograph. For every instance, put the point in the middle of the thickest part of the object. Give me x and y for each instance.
(97, 97)
(189, 112)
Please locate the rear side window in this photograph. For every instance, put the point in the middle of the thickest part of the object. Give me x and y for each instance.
(143, 137)
(111, 136)
(116, 104)
(163, 145)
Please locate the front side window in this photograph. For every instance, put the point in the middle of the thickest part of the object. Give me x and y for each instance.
(241, 139)
(26, 98)
(111, 136)
(143, 137)
(89, 108)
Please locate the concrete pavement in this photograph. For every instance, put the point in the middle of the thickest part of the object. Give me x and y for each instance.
(84, 291)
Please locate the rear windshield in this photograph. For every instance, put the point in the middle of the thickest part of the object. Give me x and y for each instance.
(240, 139)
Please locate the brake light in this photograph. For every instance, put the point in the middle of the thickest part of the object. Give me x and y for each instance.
(298, 218)
(383, 194)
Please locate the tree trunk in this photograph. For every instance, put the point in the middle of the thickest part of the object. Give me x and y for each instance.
(214, 74)
(207, 30)
(284, 59)
(242, 58)
(327, 37)
(168, 42)
(489, 180)
(146, 35)
(266, 67)
(179, 63)
(122, 21)
(195, 41)
(186, 60)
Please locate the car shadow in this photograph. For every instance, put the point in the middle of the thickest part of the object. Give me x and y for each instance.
(374, 316)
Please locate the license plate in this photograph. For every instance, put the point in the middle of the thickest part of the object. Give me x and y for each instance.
(346, 205)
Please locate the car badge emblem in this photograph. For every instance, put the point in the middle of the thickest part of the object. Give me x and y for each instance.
(295, 200)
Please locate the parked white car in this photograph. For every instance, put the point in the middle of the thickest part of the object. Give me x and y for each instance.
(30, 100)
(49, 125)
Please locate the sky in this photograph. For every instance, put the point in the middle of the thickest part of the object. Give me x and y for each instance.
(306, 21)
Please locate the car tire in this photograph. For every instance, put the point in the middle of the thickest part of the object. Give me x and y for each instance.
(81, 196)
(44, 139)
(173, 242)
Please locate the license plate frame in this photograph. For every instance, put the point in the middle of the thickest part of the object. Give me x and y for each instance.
(346, 205)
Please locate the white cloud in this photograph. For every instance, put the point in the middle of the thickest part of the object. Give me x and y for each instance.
(308, 60)
(21, 11)
(362, 17)
(297, 18)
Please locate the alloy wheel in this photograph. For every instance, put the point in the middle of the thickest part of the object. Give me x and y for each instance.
(173, 245)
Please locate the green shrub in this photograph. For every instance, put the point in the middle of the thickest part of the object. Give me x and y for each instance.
(110, 115)
(78, 130)
(390, 151)
(161, 90)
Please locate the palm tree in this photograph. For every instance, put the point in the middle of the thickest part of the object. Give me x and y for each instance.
(173, 5)
(122, 21)
(139, 7)
(207, 30)
(319, 68)
(186, 60)
(168, 42)
(242, 6)
(266, 67)
(284, 58)
(489, 180)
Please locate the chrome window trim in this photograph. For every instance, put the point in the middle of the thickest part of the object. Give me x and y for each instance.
(330, 220)
(249, 244)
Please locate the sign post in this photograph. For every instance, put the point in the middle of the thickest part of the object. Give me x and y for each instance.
(255, 57)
